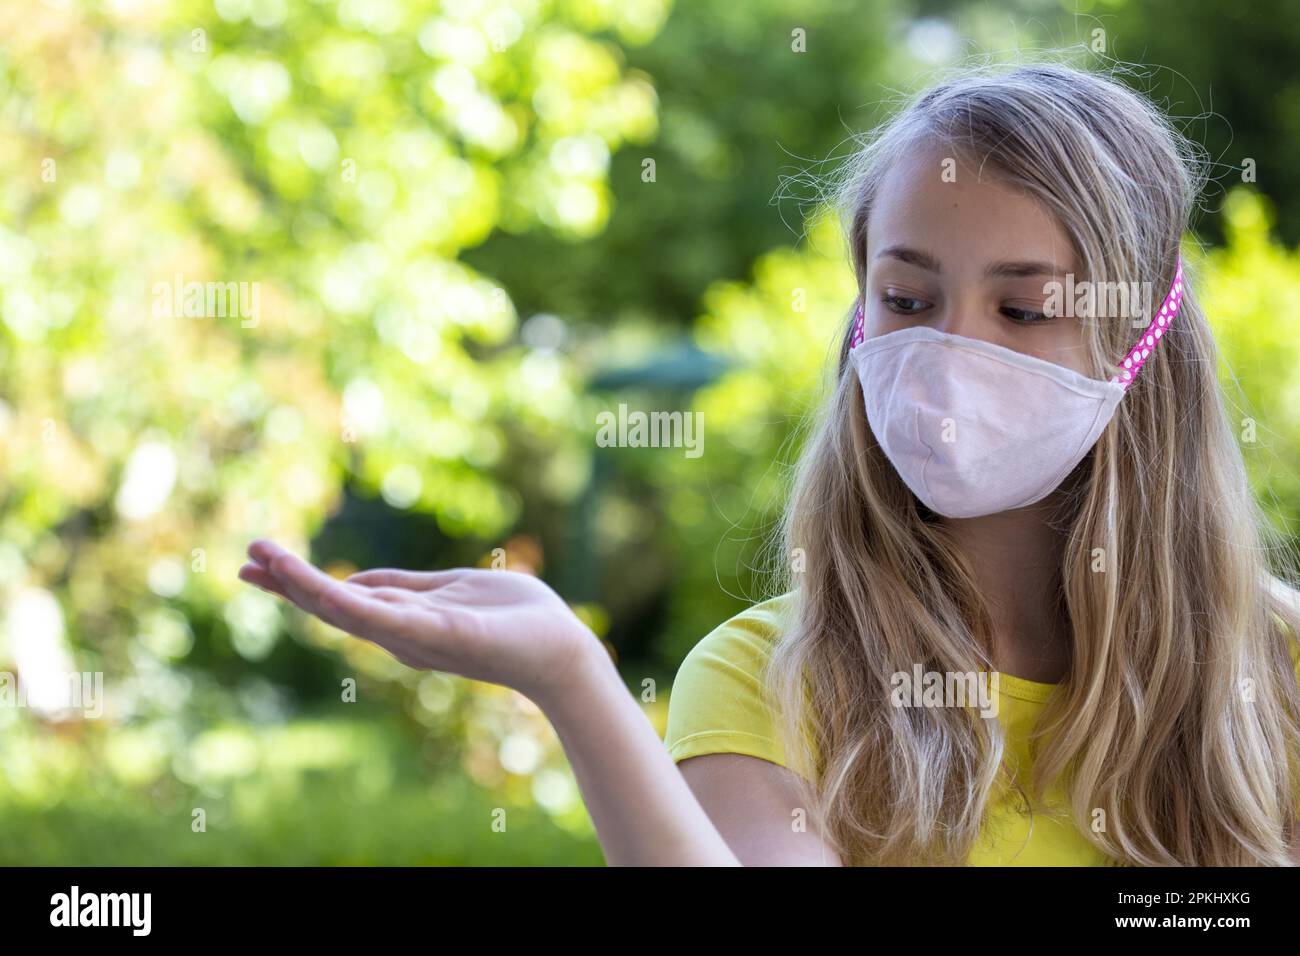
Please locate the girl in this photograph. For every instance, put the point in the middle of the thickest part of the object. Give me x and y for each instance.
(1024, 486)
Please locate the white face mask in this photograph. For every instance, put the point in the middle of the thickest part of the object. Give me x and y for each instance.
(974, 428)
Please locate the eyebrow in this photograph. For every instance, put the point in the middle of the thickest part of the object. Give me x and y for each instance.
(995, 270)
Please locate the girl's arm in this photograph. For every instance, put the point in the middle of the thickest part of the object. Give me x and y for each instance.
(759, 808)
(511, 629)
(645, 814)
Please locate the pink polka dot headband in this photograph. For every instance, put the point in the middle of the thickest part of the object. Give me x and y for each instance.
(858, 334)
(1136, 355)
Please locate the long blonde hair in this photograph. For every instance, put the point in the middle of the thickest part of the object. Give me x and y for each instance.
(1180, 715)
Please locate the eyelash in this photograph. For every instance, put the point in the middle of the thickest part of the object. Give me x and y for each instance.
(1039, 316)
(894, 304)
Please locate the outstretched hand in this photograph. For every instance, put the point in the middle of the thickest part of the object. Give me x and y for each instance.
(498, 626)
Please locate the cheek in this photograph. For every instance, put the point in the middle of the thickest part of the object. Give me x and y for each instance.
(879, 320)
(1065, 346)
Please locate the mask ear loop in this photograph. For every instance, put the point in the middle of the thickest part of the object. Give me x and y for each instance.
(1162, 320)
(859, 334)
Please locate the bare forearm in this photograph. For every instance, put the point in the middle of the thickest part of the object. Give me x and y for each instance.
(645, 813)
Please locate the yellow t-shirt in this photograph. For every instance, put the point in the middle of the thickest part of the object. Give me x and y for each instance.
(717, 705)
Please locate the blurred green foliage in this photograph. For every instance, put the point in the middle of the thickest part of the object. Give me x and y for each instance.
(446, 213)
(1250, 295)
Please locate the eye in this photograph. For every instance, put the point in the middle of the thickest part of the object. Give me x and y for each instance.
(1026, 316)
(903, 304)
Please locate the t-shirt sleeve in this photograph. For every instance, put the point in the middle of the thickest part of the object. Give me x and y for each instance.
(717, 703)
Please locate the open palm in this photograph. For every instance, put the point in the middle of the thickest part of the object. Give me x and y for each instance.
(498, 626)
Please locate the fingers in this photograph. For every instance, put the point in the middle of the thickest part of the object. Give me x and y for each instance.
(393, 617)
(411, 580)
(351, 610)
(345, 606)
(302, 582)
(257, 575)
(391, 595)
(263, 551)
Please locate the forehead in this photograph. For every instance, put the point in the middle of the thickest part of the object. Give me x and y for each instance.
(963, 212)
